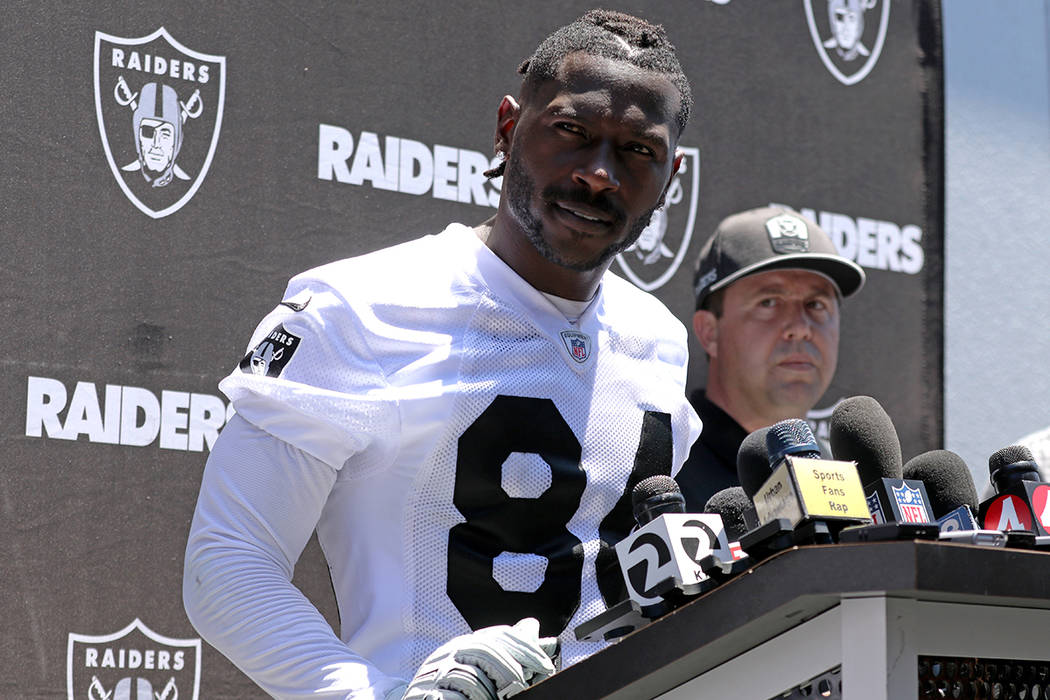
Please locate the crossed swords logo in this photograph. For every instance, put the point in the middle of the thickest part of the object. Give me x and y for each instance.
(98, 692)
(189, 110)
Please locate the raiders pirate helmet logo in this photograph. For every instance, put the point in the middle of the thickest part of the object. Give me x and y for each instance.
(159, 108)
(662, 246)
(134, 663)
(848, 35)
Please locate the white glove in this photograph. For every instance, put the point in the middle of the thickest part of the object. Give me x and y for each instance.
(489, 664)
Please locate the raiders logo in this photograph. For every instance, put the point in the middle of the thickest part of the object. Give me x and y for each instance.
(788, 234)
(134, 663)
(159, 107)
(269, 357)
(848, 35)
(657, 254)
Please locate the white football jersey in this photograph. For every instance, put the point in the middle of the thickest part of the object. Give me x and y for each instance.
(485, 446)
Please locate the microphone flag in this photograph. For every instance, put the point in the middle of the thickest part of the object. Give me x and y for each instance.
(803, 488)
(665, 554)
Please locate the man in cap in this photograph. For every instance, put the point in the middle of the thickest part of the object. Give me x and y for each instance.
(768, 289)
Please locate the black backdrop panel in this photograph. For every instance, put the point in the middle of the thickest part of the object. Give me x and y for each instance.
(314, 131)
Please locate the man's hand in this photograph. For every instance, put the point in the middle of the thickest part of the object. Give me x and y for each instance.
(490, 664)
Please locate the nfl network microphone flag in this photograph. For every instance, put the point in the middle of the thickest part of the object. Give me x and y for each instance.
(898, 501)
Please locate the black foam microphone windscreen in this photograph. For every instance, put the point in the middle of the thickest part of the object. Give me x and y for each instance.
(862, 432)
(1012, 464)
(948, 481)
(731, 504)
(655, 495)
(790, 437)
(752, 462)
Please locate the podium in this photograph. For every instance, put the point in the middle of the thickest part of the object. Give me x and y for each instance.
(869, 618)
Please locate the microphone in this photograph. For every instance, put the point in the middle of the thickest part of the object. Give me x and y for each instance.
(663, 561)
(752, 462)
(655, 496)
(802, 487)
(861, 431)
(949, 485)
(1011, 465)
(752, 469)
(953, 497)
(734, 507)
(667, 559)
(1022, 501)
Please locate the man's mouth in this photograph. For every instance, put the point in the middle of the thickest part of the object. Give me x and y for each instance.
(593, 218)
(797, 362)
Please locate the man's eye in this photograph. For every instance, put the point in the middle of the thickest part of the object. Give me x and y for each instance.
(641, 149)
(768, 302)
(568, 126)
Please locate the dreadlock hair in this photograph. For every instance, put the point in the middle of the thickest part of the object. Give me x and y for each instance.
(613, 35)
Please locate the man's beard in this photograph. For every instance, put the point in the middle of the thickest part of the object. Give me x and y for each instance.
(519, 189)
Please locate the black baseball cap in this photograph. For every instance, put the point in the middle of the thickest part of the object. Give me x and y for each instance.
(770, 238)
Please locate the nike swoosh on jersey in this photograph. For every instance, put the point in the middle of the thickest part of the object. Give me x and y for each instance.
(295, 305)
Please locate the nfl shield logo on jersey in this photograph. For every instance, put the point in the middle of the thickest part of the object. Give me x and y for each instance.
(578, 344)
(911, 504)
(159, 108)
(657, 254)
(134, 663)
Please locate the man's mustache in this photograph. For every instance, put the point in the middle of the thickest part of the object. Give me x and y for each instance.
(580, 195)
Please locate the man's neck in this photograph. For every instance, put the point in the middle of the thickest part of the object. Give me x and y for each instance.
(504, 238)
(748, 417)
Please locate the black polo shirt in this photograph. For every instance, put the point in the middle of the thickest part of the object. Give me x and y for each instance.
(711, 466)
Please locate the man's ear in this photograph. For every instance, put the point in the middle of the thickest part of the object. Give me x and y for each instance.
(678, 155)
(506, 120)
(705, 326)
(675, 165)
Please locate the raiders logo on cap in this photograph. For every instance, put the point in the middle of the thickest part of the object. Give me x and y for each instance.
(788, 234)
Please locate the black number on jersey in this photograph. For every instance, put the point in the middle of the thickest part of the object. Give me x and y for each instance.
(496, 522)
(654, 456)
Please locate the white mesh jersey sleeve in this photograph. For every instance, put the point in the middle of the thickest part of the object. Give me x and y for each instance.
(310, 377)
(259, 502)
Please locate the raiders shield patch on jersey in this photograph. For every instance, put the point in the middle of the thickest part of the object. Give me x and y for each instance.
(271, 355)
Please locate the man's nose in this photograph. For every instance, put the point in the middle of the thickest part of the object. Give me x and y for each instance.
(798, 325)
(598, 170)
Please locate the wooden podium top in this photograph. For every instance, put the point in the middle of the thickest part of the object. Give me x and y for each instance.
(786, 590)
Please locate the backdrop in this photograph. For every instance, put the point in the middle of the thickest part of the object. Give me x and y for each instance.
(168, 167)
